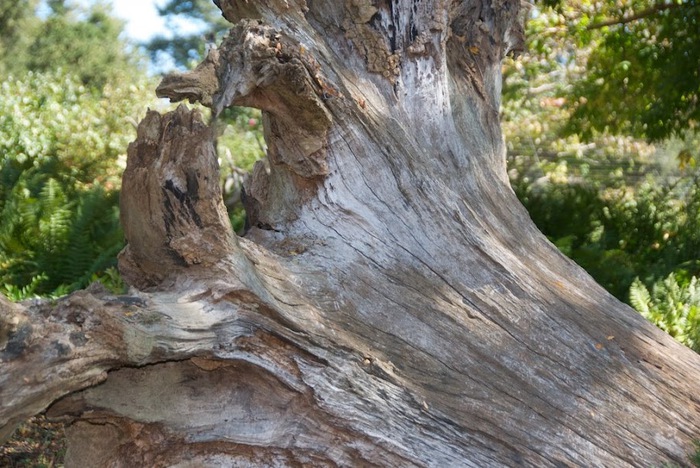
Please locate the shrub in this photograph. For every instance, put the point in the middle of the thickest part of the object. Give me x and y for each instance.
(618, 233)
(61, 153)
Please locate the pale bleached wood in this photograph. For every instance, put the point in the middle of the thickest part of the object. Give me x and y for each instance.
(392, 304)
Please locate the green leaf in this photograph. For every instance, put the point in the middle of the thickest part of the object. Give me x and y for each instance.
(640, 297)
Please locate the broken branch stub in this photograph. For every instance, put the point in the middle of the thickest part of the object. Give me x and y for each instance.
(259, 66)
(172, 210)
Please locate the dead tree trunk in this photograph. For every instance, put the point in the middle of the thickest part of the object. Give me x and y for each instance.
(392, 304)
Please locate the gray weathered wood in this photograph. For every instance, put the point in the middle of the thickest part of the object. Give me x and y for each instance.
(392, 304)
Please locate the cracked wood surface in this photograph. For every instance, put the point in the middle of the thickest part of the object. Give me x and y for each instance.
(392, 304)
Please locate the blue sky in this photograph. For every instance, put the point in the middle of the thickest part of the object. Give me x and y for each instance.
(142, 19)
(143, 23)
(141, 16)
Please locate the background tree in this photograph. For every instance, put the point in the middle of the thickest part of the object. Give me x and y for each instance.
(644, 72)
(17, 28)
(618, 67)
(65, 40)
(621, 206)
(187, 50)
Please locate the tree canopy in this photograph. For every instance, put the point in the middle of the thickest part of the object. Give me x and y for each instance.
(610, 68)
(643, 74)
(84, 42)
(188, 49)
(18, 25)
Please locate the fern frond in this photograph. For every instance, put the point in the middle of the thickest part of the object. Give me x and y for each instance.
(673, 306)
(640, 297)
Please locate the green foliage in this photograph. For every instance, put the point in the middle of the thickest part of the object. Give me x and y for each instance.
(673, 305)
(188, 49)
(111, 279)
(537, 109)
(61, 136)
(86, 43)
(240, 137)
(17, 29)
(49, 123)
(51, 243)
(16, 293)
(600, 78)
(616, 232)
(61, 154)
(90, 47)
(643, 75)
(240, 145)
(695, 456)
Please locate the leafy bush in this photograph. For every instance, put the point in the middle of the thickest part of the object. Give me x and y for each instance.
(618, 233)
(673, 305)
(61, 154)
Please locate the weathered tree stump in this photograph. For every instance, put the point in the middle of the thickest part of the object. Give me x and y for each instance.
(392, 303)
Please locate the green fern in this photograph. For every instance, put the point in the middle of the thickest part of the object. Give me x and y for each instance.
(111, 279)
(63, 240)
(16, 293)
(640, 298)
(673, 306)
(95, 237)
(53, 217)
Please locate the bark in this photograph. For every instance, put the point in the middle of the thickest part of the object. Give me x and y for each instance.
(392, 303)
